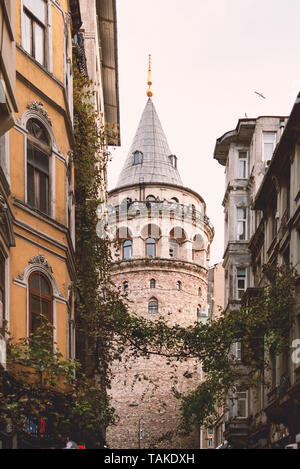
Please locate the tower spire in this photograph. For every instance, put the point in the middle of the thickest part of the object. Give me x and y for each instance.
(149, 82)
(152, 162)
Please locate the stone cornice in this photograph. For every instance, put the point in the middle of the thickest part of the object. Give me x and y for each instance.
(132, 265)
(157, 184)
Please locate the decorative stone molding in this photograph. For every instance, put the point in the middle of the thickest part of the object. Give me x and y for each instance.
(35, 110)
(39, 263)
(38, 107)
(131, 265)
(41, 260)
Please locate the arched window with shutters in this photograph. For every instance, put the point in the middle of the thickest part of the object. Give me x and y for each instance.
(38, 166)
(40, 300)
(152, 283)
(153, 306)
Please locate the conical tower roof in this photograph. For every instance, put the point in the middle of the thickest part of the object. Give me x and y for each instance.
(154, 164)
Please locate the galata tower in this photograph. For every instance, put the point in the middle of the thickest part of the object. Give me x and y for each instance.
(162, 266)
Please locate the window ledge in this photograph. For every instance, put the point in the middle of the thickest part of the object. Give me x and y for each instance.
(37, 213)
(39, 65)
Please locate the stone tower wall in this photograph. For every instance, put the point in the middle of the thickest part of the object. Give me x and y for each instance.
(141, 389)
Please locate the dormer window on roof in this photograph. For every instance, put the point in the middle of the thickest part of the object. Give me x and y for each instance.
(137, 157)
(173, 160)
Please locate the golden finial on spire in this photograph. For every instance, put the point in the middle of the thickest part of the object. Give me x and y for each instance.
(149, 82)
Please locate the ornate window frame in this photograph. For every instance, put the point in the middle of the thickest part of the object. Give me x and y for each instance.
(36, 110)
(34, 294)
(39, 263)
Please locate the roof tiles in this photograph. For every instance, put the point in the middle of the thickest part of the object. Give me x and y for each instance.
(155, 165)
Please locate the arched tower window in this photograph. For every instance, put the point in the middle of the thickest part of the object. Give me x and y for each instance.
(153, 306)
(152, 283)
(174, 248)
(127, 249)
(150, 247)
(38, 172)
(151, 198)
(40, 300)
(199, 291)
(125, 286)
(177, 236)
(178, 285)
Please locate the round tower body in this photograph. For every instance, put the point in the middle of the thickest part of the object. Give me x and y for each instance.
(161, 265)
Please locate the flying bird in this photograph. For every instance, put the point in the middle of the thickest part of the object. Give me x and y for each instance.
(259, 94)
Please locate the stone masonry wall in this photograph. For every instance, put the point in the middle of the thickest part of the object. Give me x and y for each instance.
(141, 389)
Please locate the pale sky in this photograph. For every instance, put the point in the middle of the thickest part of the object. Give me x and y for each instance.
(208, 58)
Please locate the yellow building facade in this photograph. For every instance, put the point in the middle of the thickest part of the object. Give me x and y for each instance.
(37, 232)
(37, 186)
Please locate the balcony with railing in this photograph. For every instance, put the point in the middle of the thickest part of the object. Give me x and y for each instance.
(129, 210)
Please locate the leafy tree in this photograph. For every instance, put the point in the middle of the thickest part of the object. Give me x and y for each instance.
(40, 384)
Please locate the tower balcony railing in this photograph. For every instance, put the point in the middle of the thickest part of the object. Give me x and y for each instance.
(129, 210)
